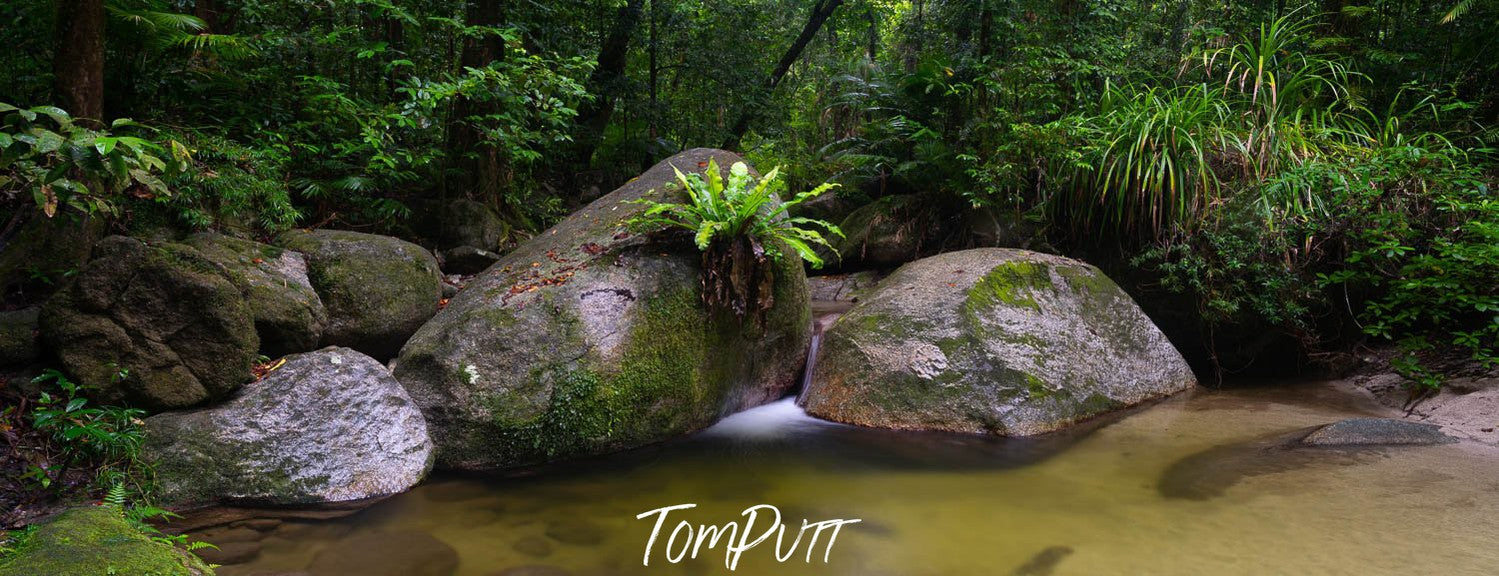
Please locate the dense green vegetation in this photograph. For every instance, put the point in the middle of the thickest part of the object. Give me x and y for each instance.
(1318, 171)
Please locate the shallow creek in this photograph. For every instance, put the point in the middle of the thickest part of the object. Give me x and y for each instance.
(1193, 485)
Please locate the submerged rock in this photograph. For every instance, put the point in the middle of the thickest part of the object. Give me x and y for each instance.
(1044, 562)
(377, 290)
(1377, 432)
(158, 326)
(396, 553)
(289, 316)
(328, 426)
(994, 341)
(97, 541)
(588, 339)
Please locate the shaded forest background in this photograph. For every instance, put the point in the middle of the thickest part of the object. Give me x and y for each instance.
(1271, 179)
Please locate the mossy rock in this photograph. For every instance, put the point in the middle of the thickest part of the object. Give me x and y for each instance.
(887, 233)
(991, 340)
(469, 223)
(588, 339)
(18, 340)
(289, 317)
(377, 290)
(97, 541)
(158, 326)
(43, 253)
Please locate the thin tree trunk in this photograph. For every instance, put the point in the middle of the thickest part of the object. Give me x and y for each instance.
(820, 13)
(605, 82)
(78, 67)
(208, 12)
(488, 172)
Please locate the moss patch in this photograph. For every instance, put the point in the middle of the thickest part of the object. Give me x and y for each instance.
(664, 386)
(98, 540)
(1011, 284)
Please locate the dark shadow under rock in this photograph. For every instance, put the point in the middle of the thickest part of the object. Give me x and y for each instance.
(1210, 473)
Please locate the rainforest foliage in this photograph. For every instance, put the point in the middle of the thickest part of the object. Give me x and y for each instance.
(1322, 171)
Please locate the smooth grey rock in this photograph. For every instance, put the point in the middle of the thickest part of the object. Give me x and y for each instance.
(1377, 432)
(328, 426)
(468, 260)
(289, 316)
(158, 326)
(395, 553)
(589, 339)
(991, 340)
(377, 290)
(18, 336)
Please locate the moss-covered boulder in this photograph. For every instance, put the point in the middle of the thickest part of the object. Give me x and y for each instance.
(377, 290)
(42, 252)
(158, 326)
(469, 223)
(991, 340)
(887, 233)
(588, 339)
(288, 315)
(97, 541)
(326, 426)
(18, 340)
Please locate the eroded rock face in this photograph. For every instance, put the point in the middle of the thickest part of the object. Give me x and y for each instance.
(377, 290)
(588, 339)
(327, 426)
(98, 540)
(994, 341)
(158, 326)
(288, 315)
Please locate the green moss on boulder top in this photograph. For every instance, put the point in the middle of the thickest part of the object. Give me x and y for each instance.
(588, 339)
(994, 341)
(97, 541)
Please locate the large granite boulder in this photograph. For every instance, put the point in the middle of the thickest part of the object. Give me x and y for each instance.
(327, 426)
(588, 339)
(288, 315)
(991, 340)
(158, 326)
(98, 541)
(377, 290)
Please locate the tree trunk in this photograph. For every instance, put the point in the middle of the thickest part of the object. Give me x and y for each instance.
(487, 173)
(606, 82)
(208, 12)
(78, 67)
(820, 13)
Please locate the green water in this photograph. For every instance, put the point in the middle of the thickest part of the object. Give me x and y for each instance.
(1184, 487)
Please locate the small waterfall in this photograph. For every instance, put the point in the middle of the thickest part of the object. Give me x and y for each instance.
(824, 315)
(811, 363)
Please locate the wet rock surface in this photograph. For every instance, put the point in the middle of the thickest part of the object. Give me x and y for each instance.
(327, 426)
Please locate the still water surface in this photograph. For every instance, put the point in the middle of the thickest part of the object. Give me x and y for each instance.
(1194, 485)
